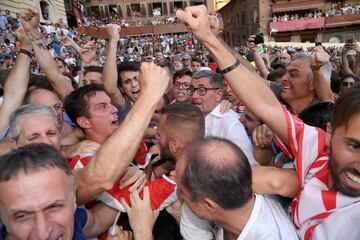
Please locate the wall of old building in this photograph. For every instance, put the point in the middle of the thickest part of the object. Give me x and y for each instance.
(55, 8)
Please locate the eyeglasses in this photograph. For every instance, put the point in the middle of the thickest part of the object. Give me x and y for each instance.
(347, 84)
(184, 85)
(202, 91)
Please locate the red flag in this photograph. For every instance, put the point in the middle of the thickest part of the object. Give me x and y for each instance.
(79, 20)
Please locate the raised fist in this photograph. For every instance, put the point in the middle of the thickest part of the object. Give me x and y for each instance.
(30, 22)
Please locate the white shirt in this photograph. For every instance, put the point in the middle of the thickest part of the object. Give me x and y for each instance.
(268, 221)
(227, 125)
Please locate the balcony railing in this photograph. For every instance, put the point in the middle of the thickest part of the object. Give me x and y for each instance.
(297, 25)
(142, 30)
(315, 23)
(342, 20)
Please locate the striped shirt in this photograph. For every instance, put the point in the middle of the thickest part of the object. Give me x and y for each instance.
(317, 207)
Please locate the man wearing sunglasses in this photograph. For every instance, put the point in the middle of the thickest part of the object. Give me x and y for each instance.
(207, 91)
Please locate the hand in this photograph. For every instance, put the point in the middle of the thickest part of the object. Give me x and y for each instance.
(216, 24)
(67, 41)
(135, 177)
(88, 52)
(262, 136)
(141, 217)
(120, 234)
(24, 40)
(196, 18)
(113, 31)
(30, 21)
(251, 44)
(82, 147)
(225, 106)
(153, 80)
(319, 58)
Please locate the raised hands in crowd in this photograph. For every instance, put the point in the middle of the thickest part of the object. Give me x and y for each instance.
(178, 136)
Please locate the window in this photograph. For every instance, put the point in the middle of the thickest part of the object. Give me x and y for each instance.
(44, 7)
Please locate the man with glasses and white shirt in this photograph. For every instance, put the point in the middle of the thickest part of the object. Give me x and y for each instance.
(207, 91)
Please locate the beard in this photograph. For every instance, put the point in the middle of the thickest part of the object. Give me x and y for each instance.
(166, 154)
(336, 172)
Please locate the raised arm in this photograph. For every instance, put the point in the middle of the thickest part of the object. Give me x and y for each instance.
(61, 83)
(259, 61)
(320, 66)
(115, 155)
(69, 42)
(345, 68)
(17, 82)
(249, 87)
(110, 74)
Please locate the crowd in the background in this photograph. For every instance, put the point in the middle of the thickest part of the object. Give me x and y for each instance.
(337, 9)
(176, 136)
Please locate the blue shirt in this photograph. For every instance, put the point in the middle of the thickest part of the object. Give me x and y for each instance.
(79, 223)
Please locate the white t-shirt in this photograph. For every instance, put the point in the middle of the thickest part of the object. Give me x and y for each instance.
(268, 221)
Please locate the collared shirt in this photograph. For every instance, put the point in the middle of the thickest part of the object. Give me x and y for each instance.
(268, 221)
(227, 125)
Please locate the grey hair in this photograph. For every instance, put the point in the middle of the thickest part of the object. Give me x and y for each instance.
(216, 79)
(15, 117)
(307, 56)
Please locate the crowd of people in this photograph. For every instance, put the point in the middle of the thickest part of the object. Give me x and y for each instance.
(337, 9)
(177, 136)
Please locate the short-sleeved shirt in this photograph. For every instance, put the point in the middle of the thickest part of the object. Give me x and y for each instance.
(316, 206)
(80, 219)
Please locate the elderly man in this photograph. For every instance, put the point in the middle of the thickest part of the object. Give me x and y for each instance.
(330, 187)
(207, 92)
(214, 180)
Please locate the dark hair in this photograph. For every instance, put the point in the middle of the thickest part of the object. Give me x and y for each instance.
(39, 81)
(196, 59)
(181, 73)
(127, 66)
(184, 120)
(167, 64)
(215, 78)
(93, 69)
(32, 158)
(317, 115)
(349, 75)
(77, 102)
(166, 99)
(276, 74)
(346, 106)
(219, 170)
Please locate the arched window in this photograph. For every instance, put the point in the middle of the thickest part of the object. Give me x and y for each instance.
(44, 6)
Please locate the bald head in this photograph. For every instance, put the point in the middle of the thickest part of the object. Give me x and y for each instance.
(216, 168)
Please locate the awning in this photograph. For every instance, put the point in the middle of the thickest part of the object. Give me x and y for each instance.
(295, 6)
(297, 25)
